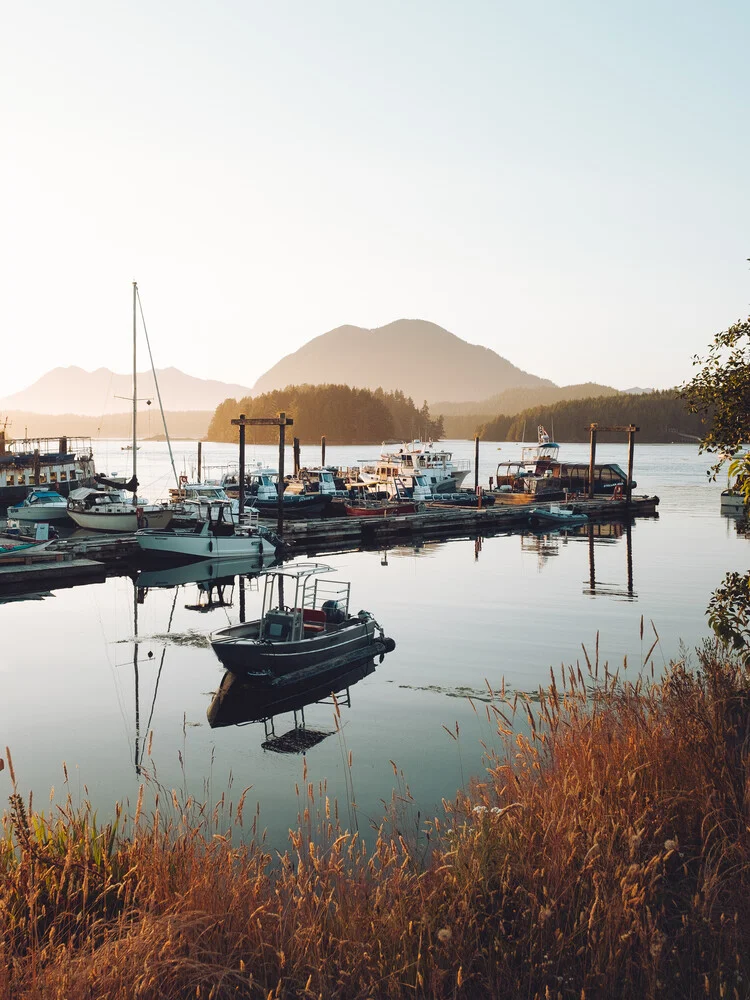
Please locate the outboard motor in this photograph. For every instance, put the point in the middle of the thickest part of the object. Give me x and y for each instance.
(334, 612)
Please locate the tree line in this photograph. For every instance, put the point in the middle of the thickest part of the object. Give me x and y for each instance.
(663, 418)
(343, 414)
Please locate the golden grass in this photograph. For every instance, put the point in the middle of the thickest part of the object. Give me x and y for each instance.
(606, 854)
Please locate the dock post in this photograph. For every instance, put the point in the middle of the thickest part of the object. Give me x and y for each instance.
(592, 460)
(37, 467)
(323, 452)
(242, 466)
(2, 442)
(200, 454)
(296, 455)
(631, 449)
(62, 446)
(280, 486)
(476, 465)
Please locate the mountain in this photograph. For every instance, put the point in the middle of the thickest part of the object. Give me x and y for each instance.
(72, 389)
(422, 359)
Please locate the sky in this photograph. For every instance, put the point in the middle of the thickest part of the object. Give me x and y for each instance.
(565, 183)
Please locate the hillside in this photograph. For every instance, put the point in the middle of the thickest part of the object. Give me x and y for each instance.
(192, 424)
(64, 390)
(343, 414)
(421, 359)
(512, 401)
(661, 416)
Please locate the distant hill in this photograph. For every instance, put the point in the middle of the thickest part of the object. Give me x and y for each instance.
(72, 389)
(514, 400)
(421, 359)
(192, 424)
(662, 417)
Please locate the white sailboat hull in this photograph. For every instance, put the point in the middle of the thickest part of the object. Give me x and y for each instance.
(193, 546)
(120, 521)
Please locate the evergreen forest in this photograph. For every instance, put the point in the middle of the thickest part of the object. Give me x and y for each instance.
(662, 417)
(343, 414)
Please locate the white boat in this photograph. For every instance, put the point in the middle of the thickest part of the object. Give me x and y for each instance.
(443, 474)
(40, 505)
(218, 539)
(305, 629)
(196, 501)
(112, 510)
(109, 509)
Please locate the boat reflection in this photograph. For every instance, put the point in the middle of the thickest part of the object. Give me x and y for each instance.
(238, 702)
(547, 545)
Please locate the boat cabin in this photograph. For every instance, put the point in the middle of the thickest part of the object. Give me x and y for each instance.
(315, 605)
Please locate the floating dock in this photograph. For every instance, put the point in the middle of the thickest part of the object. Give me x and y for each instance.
(90, 559)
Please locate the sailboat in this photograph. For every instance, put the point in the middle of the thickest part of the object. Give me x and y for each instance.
(109, 508)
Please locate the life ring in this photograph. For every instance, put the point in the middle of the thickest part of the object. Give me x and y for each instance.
(617, 492)
(139, 518)
(183, 480)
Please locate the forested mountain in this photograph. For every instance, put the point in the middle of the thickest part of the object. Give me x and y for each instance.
(190, 424)
(512, 401)
(661, 416)
(343, 414)
(422, 359)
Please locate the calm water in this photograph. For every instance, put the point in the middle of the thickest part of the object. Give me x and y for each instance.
(463, 616)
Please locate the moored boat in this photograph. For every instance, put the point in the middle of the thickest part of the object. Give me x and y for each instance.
(218, 539)
(110, 510)
(380, 508)
(307, 627)
(41, 505)
(557, 517)
(61, 464)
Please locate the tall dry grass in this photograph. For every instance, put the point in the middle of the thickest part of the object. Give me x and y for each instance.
(606, 854)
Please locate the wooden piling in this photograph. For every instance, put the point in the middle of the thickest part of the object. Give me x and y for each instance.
(476, 465)
(323, 452)
(242, 465)
(280, 486)
(200, 454)
(592, 460)
(295, 449)
(37, 466)
(631, 449)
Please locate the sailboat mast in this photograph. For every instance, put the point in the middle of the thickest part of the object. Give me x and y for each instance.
(135, 396)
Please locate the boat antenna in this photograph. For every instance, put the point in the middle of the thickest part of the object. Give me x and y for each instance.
(158, 394)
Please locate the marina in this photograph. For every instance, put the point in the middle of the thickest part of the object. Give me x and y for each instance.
(465, 611)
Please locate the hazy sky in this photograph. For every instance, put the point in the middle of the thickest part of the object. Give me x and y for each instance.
(566, 183)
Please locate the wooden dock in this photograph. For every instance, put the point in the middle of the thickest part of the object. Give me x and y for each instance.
(91, 559)
(436, 522)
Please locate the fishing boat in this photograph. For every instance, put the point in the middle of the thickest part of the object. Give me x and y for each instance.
(306, 628)
(262, 496)
(732, 502)
(60, 464)
(417, 488)
(40, 505)
(539, 475)
(555, 516)
(210, 539)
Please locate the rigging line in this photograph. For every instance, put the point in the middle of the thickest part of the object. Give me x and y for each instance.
(158, 391)
(158, 676)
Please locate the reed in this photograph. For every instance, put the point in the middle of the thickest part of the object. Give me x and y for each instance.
(606, 852)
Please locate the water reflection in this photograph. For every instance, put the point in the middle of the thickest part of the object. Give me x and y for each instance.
(239, 701)
(547, 545)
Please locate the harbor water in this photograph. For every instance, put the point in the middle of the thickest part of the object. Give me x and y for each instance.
(114, 680)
